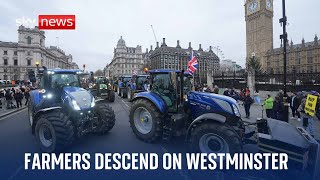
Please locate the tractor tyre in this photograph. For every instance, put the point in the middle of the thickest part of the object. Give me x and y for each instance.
(31, 111)
(54, 131)
(106, 118)
(111, 96)
(145, 120)
(212, 137)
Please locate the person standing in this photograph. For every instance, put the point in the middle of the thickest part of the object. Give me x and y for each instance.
(278, 109)
(294, 105)
(247, 104)
(8, 97)
(268, 105)
(216, 89)
(1, 96)
(257, 99)
(308, 122)
(18, 96)
(226, 92)
(27, 96)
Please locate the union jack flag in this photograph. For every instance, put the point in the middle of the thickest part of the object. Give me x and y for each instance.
(192, 64)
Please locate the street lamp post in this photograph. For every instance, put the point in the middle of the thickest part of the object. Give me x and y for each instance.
(284, 37)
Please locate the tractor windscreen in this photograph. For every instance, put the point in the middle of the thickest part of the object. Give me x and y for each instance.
(126, 79)
(62, 80)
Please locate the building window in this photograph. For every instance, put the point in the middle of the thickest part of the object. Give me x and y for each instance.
(29, 40)
(15, 62)
(5, 61)
(29, 62)
(5, 52)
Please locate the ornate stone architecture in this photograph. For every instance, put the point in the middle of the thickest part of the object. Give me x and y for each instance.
(16, 59)
(166, 57)
(302, 58)
(126, 60)
(259, 28)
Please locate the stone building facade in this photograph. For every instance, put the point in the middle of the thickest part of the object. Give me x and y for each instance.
(259, 28)
(17, 58)
(126, 60)
(302, 58)
(165, 57)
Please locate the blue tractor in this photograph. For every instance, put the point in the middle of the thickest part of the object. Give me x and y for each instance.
(210, 122)
(60, 110)
(136, 85)
(123, 82)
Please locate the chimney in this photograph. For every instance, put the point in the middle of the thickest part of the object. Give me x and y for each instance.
(151, 48)
(303, 42)
(316, 40)
(189, 46)
(164, 42)
(147, 50)
(157, 45)
(178, 44)
(210, 49)
(200, 49)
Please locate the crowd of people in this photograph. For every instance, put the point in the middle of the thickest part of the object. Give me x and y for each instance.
(274, 106)
(11, 98)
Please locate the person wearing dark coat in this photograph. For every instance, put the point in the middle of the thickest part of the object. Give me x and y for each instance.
(295, 102)
(278, 109)
(247, 104)
(27, 95)
(18, 96)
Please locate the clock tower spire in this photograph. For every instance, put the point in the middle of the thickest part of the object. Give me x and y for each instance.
(259, 28)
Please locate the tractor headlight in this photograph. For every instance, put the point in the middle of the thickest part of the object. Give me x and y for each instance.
(75, 105)
(93, 103)
(236, 110)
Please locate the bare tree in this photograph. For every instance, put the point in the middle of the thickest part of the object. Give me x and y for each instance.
(98, 72)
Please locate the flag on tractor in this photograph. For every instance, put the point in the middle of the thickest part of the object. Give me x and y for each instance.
(192, 64)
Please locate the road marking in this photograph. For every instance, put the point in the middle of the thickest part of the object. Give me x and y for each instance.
(124, 103)
(12, 114)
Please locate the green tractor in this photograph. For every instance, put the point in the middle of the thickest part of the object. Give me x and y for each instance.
(102, 89)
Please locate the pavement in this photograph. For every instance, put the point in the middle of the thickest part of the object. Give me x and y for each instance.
(5, 112)
(16, 139)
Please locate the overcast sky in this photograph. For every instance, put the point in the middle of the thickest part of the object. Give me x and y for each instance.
(100, 23)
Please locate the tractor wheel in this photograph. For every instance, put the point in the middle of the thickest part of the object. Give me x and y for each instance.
(111, 96)
(106, 118)
(31, 111)
(214, 138)
(145, 120)
(54, 131)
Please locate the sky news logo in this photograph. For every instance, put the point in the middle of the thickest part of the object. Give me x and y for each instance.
(57, 22)
(47, 22)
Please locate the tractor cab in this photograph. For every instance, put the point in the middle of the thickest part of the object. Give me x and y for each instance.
(123, 82)
(167, 84)
(102, 88)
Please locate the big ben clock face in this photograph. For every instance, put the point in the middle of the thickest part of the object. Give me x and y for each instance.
(269, 5)
(253, 6)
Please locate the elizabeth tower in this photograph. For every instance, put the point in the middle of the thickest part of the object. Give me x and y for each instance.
(259, 28)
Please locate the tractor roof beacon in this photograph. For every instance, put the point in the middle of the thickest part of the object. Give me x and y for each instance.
(60, 110)
(210, 122)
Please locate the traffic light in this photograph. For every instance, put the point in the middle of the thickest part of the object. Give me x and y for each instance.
(32, 76)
